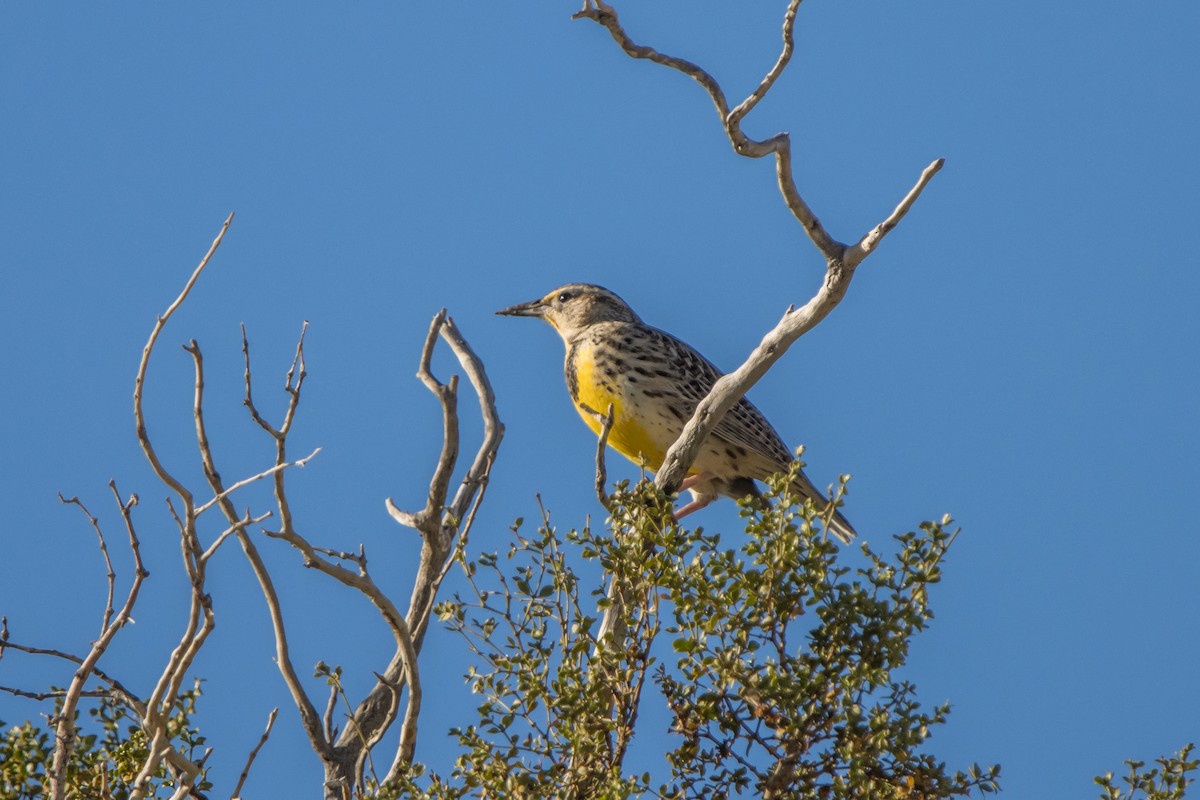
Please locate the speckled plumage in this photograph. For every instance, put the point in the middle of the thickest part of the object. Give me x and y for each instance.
(654, 382)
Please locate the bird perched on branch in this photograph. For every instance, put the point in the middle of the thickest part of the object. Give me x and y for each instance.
(654, 383)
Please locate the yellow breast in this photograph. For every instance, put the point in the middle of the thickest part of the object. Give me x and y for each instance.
(629, 435)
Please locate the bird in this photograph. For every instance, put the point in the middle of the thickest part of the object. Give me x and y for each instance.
(654, 382)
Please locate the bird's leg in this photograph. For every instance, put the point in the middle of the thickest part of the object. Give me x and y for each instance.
(692, 480)
(695, 505)
(700, 500)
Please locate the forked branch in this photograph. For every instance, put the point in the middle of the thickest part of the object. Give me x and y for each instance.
(441, 523)
(442, 520)
(841, 259)
(155, 715)
(65, 731)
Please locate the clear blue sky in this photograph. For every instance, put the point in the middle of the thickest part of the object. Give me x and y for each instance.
(1022, 351)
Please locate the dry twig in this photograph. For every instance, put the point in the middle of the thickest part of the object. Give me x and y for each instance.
(65, 730)
(237, 790)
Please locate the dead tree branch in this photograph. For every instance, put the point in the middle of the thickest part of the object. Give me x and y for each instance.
(309, 717)
(441, 523)
(318, 729)
(140, 382)
(200, 619)
(156, 711)
(444, 524)
(237, 790)
(841, 259)
(116, 690)
(65, 730)
(266, 473)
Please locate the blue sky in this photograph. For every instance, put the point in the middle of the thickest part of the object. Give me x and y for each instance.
(1021, 352)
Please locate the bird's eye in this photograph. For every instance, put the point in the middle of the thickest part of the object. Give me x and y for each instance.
(564, 297)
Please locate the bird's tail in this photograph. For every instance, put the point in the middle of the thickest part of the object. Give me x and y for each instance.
(835, 521)
(839, 526)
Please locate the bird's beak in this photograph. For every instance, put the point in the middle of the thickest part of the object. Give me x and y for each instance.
(534, 308)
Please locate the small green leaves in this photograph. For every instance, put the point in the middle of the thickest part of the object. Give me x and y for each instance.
(1166, 781)
(779, 659)
(106, 759)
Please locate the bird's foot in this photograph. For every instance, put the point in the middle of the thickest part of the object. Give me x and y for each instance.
(695, 505)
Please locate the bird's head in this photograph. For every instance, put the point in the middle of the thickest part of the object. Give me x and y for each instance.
(574, 307)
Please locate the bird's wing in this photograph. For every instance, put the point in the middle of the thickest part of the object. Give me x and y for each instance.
(744, 425)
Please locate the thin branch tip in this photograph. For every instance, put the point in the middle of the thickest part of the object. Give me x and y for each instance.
(403, 517)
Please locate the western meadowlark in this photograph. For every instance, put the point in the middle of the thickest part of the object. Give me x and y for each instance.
(654, 383)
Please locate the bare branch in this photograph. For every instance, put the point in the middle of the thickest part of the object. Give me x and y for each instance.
(830, 248)
(308, 713)
(428, 520)
(295, 379)
(185, 771)
(248, 401)
(440, 523)
(363, 731)
(140, 380)
(295, 374)
(867, 244)
(304, 704)
(200, 618)
(437, 549)
(116, 690)
(156, 716)
(841, 260)
(606, 15)
(237, 790)
(266, 473)
(733, 120)
(408, 730)
(493, 430)
(52, 694)
(362, 582)
(233, 530)
(110, 573)
(65, 730)
(730, 388)
(330, 730)
(186, 789)
(403, 517)
(406, 662)
(359, 558)
(778, 145)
